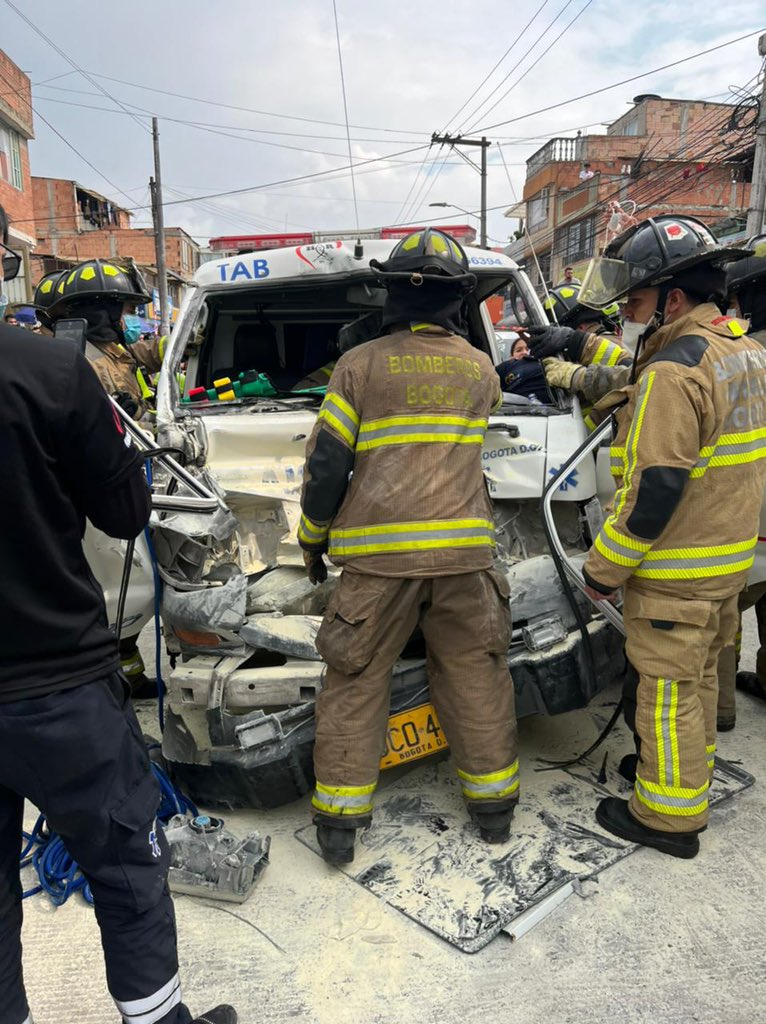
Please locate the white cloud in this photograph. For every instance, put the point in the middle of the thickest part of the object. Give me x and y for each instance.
(409, 68)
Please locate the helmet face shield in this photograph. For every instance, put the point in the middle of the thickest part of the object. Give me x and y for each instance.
(605, 282)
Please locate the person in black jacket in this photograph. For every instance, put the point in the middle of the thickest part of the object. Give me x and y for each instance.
(69, 739)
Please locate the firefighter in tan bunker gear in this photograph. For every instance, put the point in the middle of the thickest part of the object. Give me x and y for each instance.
(406, 414)
(102, 292)
(691, 434)
(746, 289)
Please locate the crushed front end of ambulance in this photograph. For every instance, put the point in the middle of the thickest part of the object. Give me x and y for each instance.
(255, 334)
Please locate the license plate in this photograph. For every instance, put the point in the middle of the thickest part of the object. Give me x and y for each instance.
(411, 735)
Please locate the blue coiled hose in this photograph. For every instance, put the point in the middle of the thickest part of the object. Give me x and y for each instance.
(58, 874)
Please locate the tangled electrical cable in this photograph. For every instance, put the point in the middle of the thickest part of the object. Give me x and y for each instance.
(59, 875)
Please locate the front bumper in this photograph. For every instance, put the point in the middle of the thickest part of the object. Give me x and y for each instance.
(243, 737)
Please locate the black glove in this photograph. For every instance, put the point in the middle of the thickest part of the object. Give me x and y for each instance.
(549, 341)
(126, 402)
(315, 567)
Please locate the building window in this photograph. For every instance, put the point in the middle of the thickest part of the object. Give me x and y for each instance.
(576, 241)
(631, 128)
(537, 209)
(10, 158)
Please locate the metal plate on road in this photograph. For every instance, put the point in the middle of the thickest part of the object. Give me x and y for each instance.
(423, 856)
(413, 734)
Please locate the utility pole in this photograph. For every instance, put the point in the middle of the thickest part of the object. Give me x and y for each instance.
(756, 215)
(484, 143)
(158, 216)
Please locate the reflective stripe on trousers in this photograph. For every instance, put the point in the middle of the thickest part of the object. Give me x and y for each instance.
(675, 800)
(154, 1007)
(343, 799)
(493, 786)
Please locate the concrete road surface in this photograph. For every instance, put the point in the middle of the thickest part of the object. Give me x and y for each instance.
(661, 941)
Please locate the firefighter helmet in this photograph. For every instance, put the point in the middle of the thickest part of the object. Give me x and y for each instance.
(45, 294)
(650, 254)
(426, 255)
(97, 279)
(563, 307)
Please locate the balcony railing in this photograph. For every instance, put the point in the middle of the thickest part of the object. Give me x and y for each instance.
(563, 150)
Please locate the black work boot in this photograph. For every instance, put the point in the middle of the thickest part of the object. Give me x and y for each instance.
(336, 844)
(750, 683)
(223, 1014)
(628, 767)
(726, 722)
(614, 815)
(494, 822)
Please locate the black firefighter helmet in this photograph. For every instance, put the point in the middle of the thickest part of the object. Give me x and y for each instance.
(97, 280)
(426, 255)
(45, 294)
(658, 250)
(564, 307)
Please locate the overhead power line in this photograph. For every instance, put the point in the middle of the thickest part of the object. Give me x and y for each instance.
(54, 46)
(254, 110)
(534, 64)
(615, 85)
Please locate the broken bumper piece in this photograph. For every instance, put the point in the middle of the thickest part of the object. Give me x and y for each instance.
(240, 733)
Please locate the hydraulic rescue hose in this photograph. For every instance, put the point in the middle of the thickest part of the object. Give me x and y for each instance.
(566, 583)
(59, 876)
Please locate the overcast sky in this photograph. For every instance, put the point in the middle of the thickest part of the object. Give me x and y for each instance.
(409, 68)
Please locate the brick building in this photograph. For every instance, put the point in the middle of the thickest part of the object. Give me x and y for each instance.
(663, 155)
(75, 223)
(16, 129)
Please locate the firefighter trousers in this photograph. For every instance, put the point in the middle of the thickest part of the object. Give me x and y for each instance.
(674, 645)
(78, 755)
(751, 597)
(466, 623)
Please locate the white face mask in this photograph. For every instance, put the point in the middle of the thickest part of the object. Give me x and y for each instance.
(632, 332)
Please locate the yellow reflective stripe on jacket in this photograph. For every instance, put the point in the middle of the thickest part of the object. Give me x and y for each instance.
(698, 562)
(710, 752)
(422, 536)
(146, 391)
(617, 461)
(665, 710)
(618, 548)
(493, 786)
(337, 413)
(312, 533)
(675, 800)
(343, 799)
(732, 450)
(607, 353)
(162, 345)
(423, 429)
(631, 444)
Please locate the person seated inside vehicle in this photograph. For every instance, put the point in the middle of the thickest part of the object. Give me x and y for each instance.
(523, 375)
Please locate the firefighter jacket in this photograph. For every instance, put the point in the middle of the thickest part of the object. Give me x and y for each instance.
(318, 378)
(690, 454)
(606, 366)
(125, 368)
(393, 482)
